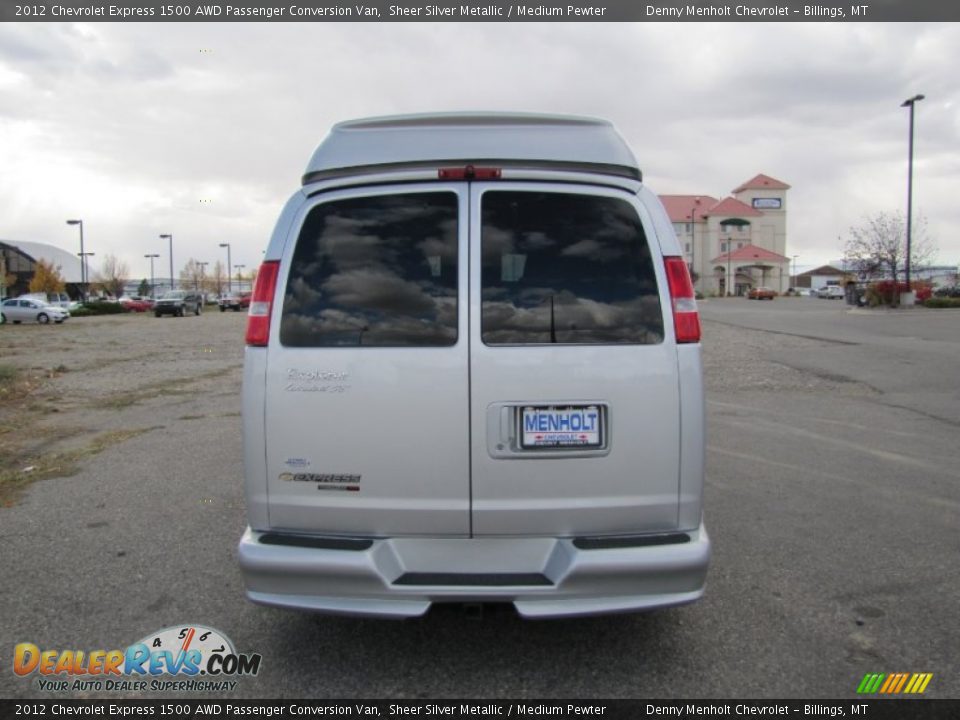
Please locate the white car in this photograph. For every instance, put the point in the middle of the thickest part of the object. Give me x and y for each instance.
(18, 310)
(830, 292)
(473, 374)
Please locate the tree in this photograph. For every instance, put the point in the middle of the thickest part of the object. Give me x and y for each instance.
(191, 275)
(218, 278)
(144, 289)
(878, 248)
(47, 279)
(113, 275)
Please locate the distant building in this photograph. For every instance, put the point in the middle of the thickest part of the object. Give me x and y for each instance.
(19, 260)
(821, 277)
(738, 242)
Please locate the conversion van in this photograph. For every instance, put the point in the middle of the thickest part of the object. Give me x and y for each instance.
(473, 374)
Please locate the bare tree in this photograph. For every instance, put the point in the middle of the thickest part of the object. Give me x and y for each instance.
(878, 248)
(218, 278)
(113, 275)
(190, 275)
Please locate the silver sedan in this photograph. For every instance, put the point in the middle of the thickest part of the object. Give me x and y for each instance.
(17, 310)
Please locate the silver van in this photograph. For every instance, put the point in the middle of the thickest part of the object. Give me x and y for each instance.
(473, 374)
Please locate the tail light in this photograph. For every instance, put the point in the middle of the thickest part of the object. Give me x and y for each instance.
(686, 319)
(261, 304)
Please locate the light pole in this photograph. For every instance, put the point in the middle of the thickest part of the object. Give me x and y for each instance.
(238, 269)
(84, 266)
(170, 238)
(153, 292)
(201, 265)
(693, 240)
(794, 279)
(909, 103)
(83, 270)
(229, 281)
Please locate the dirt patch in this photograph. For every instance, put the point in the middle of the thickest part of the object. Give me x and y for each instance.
(69, 392)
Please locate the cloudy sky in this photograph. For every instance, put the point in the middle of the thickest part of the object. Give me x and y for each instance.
(203, 130)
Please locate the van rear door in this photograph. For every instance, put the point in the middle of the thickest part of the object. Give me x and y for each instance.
(367, 372)
(575, 402)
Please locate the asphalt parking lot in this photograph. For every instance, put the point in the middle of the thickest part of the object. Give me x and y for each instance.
(833, 500)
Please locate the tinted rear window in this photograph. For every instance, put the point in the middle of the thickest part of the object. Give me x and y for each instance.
(566, 268)
(375, 271)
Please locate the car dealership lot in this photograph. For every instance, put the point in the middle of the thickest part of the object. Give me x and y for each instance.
(832, 501)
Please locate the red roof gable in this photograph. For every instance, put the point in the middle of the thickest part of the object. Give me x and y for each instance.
(732, 207)
(679, 207)
(751, 252)
(762, 182)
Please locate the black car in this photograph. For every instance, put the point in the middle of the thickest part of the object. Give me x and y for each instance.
(179, 302)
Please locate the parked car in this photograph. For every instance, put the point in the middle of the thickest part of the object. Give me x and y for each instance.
(136, 303)
(178, 302)
(761, 293)
(948, 291)
(830, 292)
(531, 317)
(235, 302)
(18, 310)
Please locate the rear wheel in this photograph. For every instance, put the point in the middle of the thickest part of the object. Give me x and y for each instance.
(222, 309)
(156, 314)
(180, 312)
(43, 318)
(198, 310)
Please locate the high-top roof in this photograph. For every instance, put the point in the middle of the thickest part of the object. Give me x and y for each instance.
(504, 139)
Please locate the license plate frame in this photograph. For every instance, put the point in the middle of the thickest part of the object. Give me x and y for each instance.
(566, 427)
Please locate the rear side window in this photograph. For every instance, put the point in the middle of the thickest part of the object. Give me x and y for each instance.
(375, 271)
(566, 268)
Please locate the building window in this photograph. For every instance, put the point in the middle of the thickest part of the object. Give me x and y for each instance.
(723, 247)
(687, 248)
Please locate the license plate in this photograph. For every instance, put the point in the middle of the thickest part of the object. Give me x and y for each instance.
(554, 427)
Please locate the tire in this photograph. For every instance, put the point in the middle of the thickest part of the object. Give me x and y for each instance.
(180, 312)
(156, 314)
(3, 319)
(222, 309)
(198, 310)
(43, 318)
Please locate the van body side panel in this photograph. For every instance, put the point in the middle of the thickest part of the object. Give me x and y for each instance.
(253, 399)
(693, 434)
(630, 484)
(368, 436)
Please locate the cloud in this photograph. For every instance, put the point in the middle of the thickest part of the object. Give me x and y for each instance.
(203, 129)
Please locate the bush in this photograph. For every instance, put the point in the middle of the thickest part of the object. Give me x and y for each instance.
(885, 292)
(942, 302)
(98, 308)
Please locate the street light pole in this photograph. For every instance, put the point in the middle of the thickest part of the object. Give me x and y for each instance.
(693, 241)
(909, 103)
(229, 281)
(153, 292)
(83, 271)
(793, 282)
(170, 238)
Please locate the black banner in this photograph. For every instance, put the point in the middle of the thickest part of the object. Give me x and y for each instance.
(872, 708)
(477, 10)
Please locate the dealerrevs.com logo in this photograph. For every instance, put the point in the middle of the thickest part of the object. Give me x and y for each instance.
(185, 658)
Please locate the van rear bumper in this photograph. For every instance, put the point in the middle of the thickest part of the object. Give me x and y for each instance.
(542, 577)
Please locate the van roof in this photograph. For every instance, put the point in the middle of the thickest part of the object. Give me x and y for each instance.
(555, 142)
